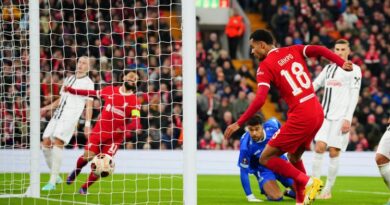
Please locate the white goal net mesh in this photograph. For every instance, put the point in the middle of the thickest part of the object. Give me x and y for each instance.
(117, 37)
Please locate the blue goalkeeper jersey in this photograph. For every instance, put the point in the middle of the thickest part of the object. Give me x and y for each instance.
(250, 150)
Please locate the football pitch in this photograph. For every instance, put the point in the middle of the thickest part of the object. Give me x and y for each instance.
(167, 190)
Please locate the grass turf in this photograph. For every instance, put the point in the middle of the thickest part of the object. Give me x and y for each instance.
(167, 189)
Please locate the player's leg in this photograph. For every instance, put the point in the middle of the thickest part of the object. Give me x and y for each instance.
(90, 150)
(296, 161)
(57, 153)
(334, 154)
(272, 191)
(106, 148)
(270, 158)
(382, 157)
(288, 183)
(46, 149)
(321, 139)
(47, 143)
(268, 185)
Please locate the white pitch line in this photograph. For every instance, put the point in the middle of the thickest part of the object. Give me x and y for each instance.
(67, 201)
(367, 192)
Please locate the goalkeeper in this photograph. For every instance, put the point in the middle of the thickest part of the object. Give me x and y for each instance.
(252, 144)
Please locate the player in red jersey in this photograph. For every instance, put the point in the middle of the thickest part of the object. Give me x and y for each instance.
(121, 106)
(286, 69)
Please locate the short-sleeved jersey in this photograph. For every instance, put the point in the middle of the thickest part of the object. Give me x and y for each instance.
(286, 69)
(71, 106)
(250, 150)
(118, 108)
(341, 91)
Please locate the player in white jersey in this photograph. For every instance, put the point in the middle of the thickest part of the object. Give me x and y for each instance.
(339, 102)
(62, 125)
(382, 157)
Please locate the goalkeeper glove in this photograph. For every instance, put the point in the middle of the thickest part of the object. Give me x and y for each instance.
(252, 198)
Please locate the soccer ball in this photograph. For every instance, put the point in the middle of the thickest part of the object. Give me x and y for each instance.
(102, 165)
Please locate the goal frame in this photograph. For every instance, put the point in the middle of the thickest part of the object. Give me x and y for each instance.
(189, 97)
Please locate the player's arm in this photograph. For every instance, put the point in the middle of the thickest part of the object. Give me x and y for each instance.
(256, 104)
(317, 51)
(244, 176)
(320, 80)
(243, 163)
(89, 93)
(353, 100)
(88, 117)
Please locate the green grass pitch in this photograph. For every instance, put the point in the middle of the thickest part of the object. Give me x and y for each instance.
(167, 190)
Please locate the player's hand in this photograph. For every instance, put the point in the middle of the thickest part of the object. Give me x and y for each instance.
(66, 88)
(43, 112)
(252, 198)
(231, 129)
(347, 66)
(346, 126)
(87, 131)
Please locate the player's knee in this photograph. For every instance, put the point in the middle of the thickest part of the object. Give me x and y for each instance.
(380, 159)
(59, 143)
(88, 155)
(320, 147)
(276, 196)
(293, 158)
(334, 152)
(46, 142)
(263, 161)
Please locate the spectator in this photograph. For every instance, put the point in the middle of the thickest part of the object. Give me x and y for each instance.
(234, 31)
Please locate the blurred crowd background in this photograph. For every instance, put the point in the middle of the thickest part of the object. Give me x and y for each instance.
(145, 36)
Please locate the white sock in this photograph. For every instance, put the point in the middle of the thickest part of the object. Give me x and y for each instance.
(317, 164)
(56, 164)
(332, 173)
(384, 169)
(47, 153)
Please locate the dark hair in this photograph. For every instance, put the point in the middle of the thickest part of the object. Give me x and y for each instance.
(342, 41)
(263, 35)
(255, 120)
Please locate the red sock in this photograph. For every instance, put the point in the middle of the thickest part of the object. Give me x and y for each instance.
(92, 178)
(286, 169)
(299, 188)
(81, 162)
(300, 166)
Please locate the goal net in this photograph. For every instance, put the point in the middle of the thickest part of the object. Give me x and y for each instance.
(117, 36)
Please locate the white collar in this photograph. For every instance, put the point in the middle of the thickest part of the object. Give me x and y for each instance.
(124, 93)
(265, 137)
(272, 50)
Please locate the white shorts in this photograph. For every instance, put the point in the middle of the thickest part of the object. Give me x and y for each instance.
(384, 144)
(60, 128)
(330, 133)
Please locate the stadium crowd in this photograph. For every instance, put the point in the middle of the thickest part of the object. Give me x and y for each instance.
(123, 35)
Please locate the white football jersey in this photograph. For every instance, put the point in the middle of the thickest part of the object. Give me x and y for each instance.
(341, 91)
(72, 106)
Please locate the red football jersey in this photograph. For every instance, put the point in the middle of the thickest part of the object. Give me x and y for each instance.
(286, 69)
(118, 107)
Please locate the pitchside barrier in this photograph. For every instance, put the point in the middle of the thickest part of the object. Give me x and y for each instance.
(171, 162)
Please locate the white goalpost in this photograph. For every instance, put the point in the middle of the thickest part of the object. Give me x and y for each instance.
(40, 44)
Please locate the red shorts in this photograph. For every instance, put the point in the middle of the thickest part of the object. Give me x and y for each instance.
(104, 143)
(300, 128)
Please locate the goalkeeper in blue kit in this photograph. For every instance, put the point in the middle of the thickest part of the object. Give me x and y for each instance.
(252, 144)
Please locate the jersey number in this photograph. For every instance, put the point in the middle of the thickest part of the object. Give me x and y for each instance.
(300, 75)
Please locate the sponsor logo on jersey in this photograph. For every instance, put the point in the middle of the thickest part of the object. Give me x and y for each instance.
(334, 83)
(118, 112)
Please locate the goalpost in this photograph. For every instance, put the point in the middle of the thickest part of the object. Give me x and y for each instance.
(23, 170)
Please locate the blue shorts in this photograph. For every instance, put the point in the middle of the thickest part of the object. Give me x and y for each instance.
(266, 175)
